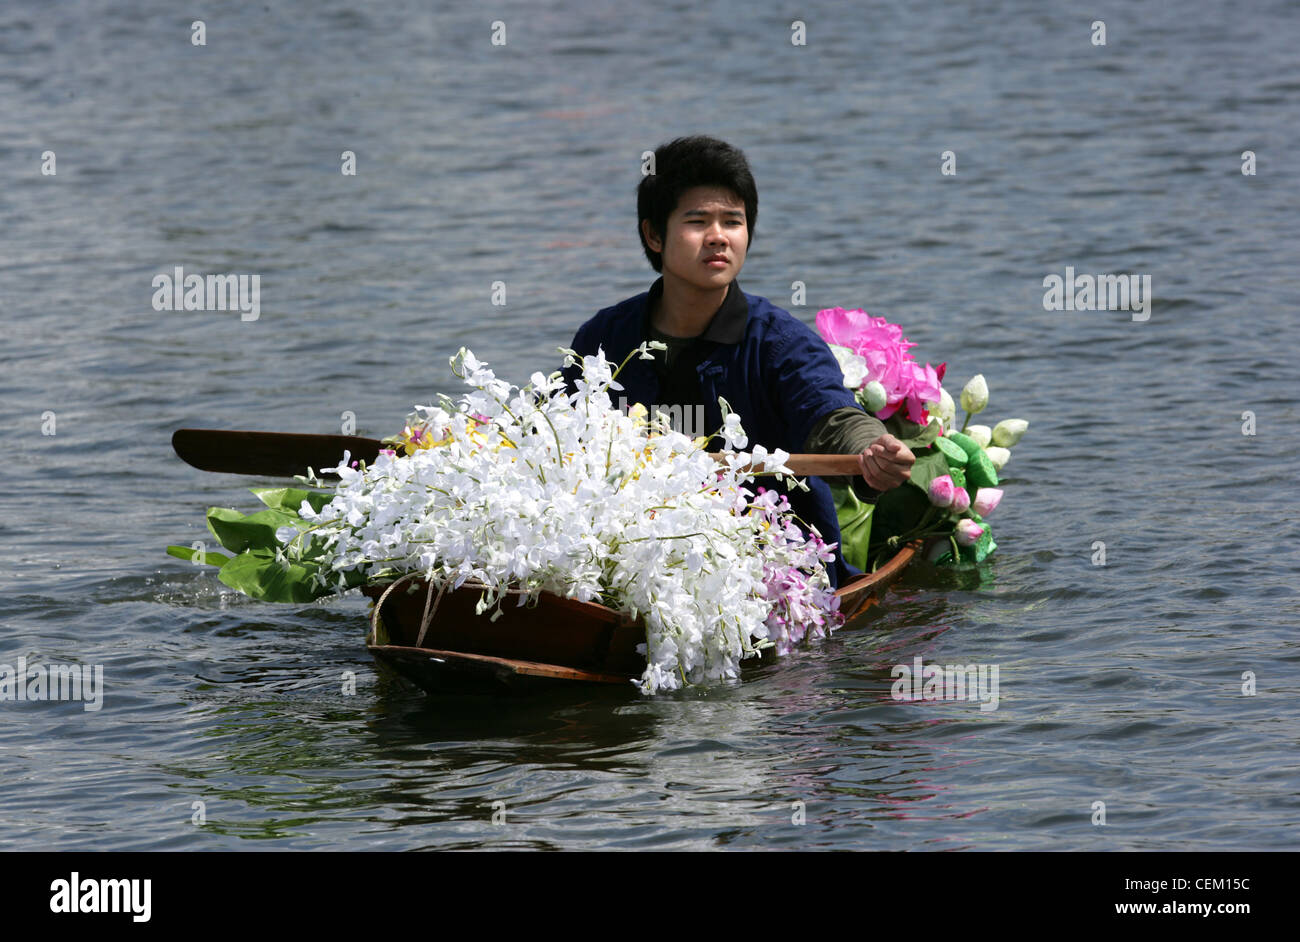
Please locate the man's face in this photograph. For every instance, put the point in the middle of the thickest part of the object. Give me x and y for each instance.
(706, 239)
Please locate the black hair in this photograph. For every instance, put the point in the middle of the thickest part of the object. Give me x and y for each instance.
(689, 162)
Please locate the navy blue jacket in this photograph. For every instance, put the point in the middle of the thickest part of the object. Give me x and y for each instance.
(774, 371)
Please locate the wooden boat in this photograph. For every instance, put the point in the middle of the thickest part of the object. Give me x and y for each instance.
(437, 641)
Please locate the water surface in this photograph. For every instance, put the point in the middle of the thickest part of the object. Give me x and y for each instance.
(1119, 683)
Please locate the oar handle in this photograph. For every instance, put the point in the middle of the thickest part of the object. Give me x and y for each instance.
(817, 465)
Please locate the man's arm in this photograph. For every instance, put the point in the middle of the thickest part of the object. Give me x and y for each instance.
(850, 430)
(811, 391)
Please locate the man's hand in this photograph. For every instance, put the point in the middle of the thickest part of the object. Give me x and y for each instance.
(886, 463)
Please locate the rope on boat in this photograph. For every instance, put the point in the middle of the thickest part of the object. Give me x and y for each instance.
(430, 604)
(374, 612)
(427, 618)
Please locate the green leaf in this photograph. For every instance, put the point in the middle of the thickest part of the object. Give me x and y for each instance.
(854, 517)
(911, 434)
(923, 439)
(289, 499)
(187, 553)
(239, 533)
(261, 576)
(929, 465)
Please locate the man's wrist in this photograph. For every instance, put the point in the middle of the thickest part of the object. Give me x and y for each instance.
(864, 491)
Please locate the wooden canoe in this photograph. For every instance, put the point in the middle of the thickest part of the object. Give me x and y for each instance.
(558, 640)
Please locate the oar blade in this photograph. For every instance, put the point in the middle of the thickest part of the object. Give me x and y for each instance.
(268, 454)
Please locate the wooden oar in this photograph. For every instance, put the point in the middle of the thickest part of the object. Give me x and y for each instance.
(818, 465)
(270, 454)
(284, 454)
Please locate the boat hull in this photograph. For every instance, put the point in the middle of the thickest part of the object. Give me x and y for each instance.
(437, 641)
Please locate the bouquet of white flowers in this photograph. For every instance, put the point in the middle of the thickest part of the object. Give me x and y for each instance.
(535, 489)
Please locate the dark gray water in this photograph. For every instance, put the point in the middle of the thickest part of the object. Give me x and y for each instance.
(477, 163)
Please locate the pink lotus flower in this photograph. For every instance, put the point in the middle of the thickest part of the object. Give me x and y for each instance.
(883, 347)
(942, 491)
(960, 501)
(986, 499)
(924, 387)
(968, 532)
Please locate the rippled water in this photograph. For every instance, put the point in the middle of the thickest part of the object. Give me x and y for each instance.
(518, 163)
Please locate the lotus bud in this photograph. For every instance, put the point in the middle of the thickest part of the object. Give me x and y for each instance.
(968, 532)
(960, 500)
(981, 433)
(874, 397)
(999, 456)
(942, 491)
(1007, 432)
(945, 409)
(986, 500)
(975, 394)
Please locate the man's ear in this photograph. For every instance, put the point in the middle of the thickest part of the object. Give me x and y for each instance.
(651, 237)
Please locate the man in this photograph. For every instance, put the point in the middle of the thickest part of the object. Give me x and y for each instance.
(696, 216)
